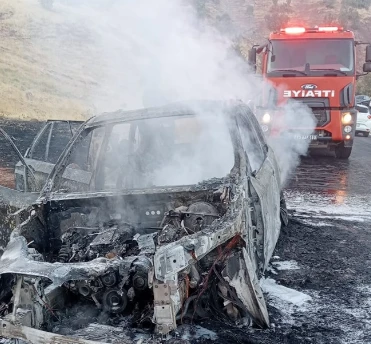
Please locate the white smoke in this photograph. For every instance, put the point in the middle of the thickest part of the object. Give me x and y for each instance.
(292, 143)
(157, 52)
(160, 51)
(209, 152)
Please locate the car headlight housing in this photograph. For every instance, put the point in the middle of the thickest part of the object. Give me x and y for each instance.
(266, 118)
(347, 118)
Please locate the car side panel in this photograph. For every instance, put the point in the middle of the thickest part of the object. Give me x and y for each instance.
(266, 184)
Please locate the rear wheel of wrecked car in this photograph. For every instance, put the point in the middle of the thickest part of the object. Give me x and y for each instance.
(284, 215)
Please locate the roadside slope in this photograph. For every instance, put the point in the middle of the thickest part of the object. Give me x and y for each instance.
(35, 82)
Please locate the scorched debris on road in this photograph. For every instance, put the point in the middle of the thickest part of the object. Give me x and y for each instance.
(159, 216)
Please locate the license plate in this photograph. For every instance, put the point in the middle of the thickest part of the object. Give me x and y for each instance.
(305, 137)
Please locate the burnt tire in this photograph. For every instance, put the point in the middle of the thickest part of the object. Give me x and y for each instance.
(284, 214)
(342, 152)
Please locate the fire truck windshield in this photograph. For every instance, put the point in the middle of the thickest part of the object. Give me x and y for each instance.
(315, 57)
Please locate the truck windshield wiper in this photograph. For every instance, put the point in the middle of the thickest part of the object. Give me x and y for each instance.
(288, 71)
(331, 70)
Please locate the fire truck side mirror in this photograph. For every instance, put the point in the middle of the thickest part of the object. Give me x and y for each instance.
(252, 58)
(368, 53)
(367, 67)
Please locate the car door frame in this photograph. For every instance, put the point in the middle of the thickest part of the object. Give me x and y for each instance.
(44, 166)
(13, 199)
(266, 183)
(19, 168)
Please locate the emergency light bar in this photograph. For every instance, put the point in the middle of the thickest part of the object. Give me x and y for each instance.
(300, 30)
(329, 29)
(294, 30)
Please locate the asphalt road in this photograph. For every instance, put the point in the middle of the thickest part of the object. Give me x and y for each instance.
(324, 174)
(323, 257)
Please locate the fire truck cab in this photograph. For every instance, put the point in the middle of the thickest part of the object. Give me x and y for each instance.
(316, 66)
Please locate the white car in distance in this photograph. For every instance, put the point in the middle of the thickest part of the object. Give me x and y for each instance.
(363, 120)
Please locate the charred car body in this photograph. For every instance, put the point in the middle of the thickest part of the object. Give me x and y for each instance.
(170, 214)
(24, 175)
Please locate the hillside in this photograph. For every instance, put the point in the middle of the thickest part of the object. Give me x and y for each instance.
(48, 64)
(52, 64)
(255, 18)
(252, 20)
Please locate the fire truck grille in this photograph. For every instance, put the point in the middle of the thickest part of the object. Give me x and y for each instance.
(321, 117)
(320, 109)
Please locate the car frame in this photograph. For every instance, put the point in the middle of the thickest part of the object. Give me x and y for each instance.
(363, 125)
(240, 238)
(31, 171)
(363, 100)
(42, 166)
(361, 128)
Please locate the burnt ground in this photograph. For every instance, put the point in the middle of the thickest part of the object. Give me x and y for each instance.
(329, 239)
(334, 269)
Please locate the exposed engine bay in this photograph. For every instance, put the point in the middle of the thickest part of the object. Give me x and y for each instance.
(179, 258)
(121, 286)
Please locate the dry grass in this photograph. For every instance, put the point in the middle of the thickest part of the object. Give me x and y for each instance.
(35, 82)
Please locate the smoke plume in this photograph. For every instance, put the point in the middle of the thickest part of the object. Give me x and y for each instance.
(156, 52)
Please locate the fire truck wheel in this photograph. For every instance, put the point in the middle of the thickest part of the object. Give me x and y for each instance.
(342, 152)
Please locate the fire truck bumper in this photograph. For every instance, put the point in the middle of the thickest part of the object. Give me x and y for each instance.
(320, 139)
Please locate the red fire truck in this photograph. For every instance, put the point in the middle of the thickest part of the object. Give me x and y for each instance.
(316, 66)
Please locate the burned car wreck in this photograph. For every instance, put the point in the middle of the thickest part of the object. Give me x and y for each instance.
(162, 216)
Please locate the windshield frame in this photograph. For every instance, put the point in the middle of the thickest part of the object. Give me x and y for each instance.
(55, 179)
(312, 73)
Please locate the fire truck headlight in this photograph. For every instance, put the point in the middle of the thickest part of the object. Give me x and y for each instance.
(266, 118)
(347, 129)
(347, 118)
